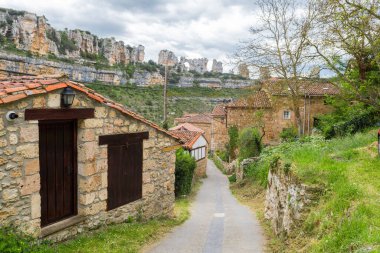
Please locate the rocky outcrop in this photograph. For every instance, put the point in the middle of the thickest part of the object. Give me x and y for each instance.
(166, 57)
(217, 66)
(186, 81)
(32, 33)
(15, 65)
(145, 78)
(243, 70)
(197, 65)
(287, 199)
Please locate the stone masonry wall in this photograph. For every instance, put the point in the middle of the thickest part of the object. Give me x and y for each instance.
(20, 201)
(200, 170)
(219, 133)
(287, 200)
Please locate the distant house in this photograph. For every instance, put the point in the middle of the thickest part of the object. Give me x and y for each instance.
(271, 107)
(197, 145)
(202, 121)
(187, 127)
(68, 169)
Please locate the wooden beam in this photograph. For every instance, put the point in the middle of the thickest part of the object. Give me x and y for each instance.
(56, 114)
(119, 139)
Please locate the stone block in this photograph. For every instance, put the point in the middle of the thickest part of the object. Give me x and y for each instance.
(13, 139)
(39, 102)
(103, 194)
(101, 165)
(30, 184)
(36, 206)
(92, 123)
(86, 169)
(148, 188)
(101, 112)
(104, 179)
(87, 151)
(29, 133)
(22, 105)
(28, 150)
(9, 194)
(3, 142)
(9, 151)
(118, 122)
(1, 124)
(54, 100)
(90, 184)
(87, 135)
(3, 160)
(87, 198)
(112, 114)
(32, 166)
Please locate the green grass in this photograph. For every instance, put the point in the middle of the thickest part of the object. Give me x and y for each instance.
(347, 216)
(148, 101)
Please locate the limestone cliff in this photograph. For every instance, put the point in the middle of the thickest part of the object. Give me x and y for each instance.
(166, 57)
(217, 66)
(30, 32)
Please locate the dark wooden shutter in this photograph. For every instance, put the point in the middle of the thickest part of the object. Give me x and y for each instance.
(125, 164)
(57, 148)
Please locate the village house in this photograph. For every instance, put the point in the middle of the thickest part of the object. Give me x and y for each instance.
(270, 109)
(72, 160)
(196, 144)
(202, 121)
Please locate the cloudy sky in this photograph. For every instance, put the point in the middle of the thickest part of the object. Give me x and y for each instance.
(191, 28)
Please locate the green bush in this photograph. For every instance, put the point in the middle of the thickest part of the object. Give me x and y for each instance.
(222, 155)
(289, 134)
(249, 143)
(233, 134)
(184, 170)
(12, 241)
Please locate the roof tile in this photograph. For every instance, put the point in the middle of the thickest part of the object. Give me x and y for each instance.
(12, 98)
(55, 86)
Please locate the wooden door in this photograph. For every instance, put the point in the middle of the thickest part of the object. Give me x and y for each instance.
(58, 158)
(124, 174)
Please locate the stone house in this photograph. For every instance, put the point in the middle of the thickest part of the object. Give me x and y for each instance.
(187, 127)
(202, 121)
(270, 109)
(197, 145)
(67, 170)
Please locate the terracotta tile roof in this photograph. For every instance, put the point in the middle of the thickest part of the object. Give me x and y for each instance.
(19, 87)
(259, 99)
(219, 110)
(188, 138)
(195, 118)
(307, 87)
(188, 127)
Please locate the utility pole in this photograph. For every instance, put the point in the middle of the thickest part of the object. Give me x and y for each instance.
(165, 94)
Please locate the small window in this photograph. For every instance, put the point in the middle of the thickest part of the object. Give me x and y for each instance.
(286, 114)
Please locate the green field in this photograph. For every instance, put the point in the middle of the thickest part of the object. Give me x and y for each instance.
(148, 101)
(346, 218)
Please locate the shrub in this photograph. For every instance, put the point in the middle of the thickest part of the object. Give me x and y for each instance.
(184, 170)
(249, 143)
(12, 241)
(233, 134)
(222, 155)
(289, 134)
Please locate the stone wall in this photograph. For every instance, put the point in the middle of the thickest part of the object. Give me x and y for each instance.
(200, 170)
(20, 201)
(219, 133)
(287, 199)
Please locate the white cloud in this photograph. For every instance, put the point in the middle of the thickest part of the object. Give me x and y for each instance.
(191, 28)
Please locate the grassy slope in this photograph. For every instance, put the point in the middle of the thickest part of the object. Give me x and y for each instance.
(347, 216)
(148, 101)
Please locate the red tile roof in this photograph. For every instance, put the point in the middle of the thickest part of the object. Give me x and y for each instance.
(259, 99)
(307, 87)
(188, 138)
(188, 127)
(19, 87)
(219, 110)
(195, 118)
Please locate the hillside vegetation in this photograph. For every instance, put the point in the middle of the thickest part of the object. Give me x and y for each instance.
(347, 216)
(148, 101)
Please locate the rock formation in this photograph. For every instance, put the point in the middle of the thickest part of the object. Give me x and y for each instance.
(197, 65)
(217, 66)
(243, 70)
(32, 33)
(166, 57)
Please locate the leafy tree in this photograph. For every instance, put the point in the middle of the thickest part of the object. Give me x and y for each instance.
(249, 143)
(184, 171)
(233, 135)
(279, 42)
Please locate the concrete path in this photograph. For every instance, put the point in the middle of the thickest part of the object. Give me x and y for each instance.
(218, 223)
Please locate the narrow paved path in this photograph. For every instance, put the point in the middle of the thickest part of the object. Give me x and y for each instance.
(218, 223)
